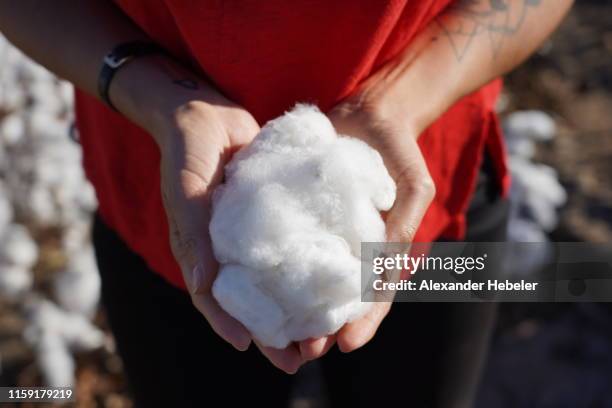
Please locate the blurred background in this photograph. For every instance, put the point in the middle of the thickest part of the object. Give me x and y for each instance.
(557, 114)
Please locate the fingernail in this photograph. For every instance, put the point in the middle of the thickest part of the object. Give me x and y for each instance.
(196, 278)
(242, 346)
(293, 370)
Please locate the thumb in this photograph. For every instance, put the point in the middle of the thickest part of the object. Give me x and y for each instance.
(191, 246)
(190, 243)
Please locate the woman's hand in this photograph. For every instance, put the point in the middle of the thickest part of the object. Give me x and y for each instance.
(197, 130)
(396, 140)
(467, 46)
(197, 142)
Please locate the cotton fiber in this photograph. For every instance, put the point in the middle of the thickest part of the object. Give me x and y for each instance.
(288, 224)
(54, 333)
(536, 193)
(43, 186)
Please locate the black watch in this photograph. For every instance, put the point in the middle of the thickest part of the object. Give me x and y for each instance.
(118, 57)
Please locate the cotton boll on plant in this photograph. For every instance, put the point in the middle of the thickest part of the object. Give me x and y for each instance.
(55, 361)
(54, 333)
(522, 129)
(532, 124)
(14, 281)
(12, 129)
(288, 223)
(540, 191)
(18, 253)
(43, 185)
(6, 209)
(536, 193)
(77, 289)
(17, 247)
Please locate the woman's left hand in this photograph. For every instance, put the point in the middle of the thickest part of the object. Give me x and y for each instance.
(395, 104)
(396, 140)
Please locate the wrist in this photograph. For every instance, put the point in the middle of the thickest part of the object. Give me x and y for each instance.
(157, 93)
(415, 87)
(170, 125)
(372, 109)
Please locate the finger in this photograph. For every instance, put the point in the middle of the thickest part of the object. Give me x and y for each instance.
(190, 244)
(199, 280)
(207, 267)
(186, 196)
(287, 359)
(311, 349)
(414, 251)
(183, 242)
(357, 333)
(228, 328)
(193, 251)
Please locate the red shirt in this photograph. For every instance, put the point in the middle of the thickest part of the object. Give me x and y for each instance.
(266, 56)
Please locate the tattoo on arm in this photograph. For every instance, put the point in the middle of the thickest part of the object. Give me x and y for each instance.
(465, 20)
(179, 76)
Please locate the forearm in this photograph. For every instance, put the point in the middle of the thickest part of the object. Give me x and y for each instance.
(472, 43)
(70, 38)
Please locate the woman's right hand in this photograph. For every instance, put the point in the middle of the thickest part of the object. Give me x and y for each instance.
(195, 144)
(198, 142)
(197, 130)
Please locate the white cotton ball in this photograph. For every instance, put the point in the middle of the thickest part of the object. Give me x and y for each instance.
(520, 146)
(17, 247)
(80, 334)
(54, 333)
(47, 172)
(540, 191)
(86, 198)
(288, 224)
(6, 210)
(46, 128)
(14, 280)
(529, 258)
(532, 124)
(523, 128)
(522, 230)
(12, 129)
(77, 235)
(46, 97)
(4, 160)
(77, 289)
(44, 333)
(55, 361)
(237, 286)
(32, 72)
(66, 93)
(41, 205)
(12, 98)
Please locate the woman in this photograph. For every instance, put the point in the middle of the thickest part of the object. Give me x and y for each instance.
(414, 79)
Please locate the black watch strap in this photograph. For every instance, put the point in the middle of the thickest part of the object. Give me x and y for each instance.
(118, 57)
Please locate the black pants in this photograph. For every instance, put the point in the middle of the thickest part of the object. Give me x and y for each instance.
(423, 355)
